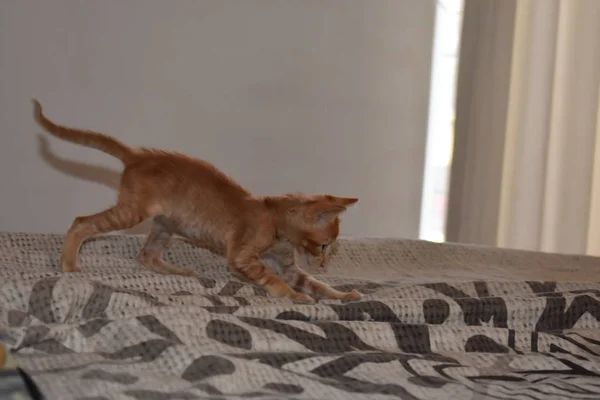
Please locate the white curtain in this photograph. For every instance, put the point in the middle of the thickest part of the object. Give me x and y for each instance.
(549, 178)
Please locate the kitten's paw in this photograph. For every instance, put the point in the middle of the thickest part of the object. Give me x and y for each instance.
(304, 298)
(70, 267)
(352, 296)
(190, 272)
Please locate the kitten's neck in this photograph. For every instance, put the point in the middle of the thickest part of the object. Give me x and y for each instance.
(284, 221)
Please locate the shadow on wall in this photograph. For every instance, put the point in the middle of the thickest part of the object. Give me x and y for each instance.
(88, 172)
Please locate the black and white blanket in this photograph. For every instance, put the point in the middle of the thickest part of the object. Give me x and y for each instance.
(437, 321)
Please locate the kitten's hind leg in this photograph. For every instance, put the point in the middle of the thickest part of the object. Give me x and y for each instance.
(151, 255)
(121, 216)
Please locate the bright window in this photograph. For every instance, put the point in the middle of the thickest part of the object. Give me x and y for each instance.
(440, 133)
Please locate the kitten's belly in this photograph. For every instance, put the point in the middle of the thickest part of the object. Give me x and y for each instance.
(193, 230)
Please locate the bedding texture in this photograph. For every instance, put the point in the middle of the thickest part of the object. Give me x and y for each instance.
(437, 321)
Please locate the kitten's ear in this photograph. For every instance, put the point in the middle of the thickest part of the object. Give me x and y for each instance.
(325, 217)
(345, 201)
(326, 209)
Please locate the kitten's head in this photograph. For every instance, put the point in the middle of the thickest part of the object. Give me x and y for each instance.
(312, 223)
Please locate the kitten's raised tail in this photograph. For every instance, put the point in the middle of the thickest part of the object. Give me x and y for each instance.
(83, 137)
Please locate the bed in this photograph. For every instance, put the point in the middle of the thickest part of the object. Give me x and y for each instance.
(437, 321)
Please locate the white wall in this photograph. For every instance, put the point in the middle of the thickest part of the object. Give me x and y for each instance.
(315, 96)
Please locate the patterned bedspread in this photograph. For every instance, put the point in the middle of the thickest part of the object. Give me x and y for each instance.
(437, 321)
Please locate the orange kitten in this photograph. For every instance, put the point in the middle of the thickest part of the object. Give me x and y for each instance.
(191, 197)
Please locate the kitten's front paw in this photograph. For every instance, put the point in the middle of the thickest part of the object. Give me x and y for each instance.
(304, 298)
(352, 296)
(190, 272)
(70, 267)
